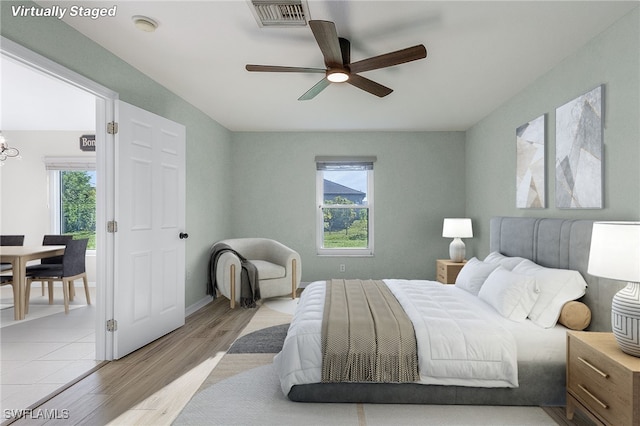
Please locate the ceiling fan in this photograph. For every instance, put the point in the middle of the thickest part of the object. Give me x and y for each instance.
(339, 68)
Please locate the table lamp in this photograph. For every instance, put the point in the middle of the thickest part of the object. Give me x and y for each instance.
(457, 228)
(615, 254)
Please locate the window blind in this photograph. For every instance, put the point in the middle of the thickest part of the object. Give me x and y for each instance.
(345, 163)
(69, 163)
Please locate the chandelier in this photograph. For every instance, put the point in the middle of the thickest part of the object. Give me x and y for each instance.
(6, 151)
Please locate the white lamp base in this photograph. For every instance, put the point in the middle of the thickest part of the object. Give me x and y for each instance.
(625, 318)
(457, 250)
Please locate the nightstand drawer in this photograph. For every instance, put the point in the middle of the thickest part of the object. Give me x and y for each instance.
(599, 383)
(447, 271)
(442, 272)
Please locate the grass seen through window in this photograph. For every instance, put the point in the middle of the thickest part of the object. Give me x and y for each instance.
(346, 233)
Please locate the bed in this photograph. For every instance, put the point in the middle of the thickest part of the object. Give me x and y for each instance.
(532, 351)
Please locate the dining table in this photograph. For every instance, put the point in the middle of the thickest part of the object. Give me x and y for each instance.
(18, 256)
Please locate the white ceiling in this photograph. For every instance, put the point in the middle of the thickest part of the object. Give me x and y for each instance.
(480, 54)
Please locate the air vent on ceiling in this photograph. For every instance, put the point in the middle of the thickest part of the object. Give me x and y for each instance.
(280, 13)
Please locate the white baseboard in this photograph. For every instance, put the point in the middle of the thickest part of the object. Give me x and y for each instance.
(199, 304)
(208, 299)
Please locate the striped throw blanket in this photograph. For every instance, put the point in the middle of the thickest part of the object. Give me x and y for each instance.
(366, 335)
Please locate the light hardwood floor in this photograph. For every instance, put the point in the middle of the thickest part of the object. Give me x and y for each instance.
(151, 385)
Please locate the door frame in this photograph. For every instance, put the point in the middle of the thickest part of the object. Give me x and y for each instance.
(105, 166)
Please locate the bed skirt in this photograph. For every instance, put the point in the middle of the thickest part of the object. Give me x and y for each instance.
(541, 384)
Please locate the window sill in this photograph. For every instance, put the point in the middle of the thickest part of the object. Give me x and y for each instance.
(345, 255)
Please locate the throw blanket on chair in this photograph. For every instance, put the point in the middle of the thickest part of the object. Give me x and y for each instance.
(249, 286)
(366, 335)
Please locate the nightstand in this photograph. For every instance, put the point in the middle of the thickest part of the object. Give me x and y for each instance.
(602, 381)
(447, 271)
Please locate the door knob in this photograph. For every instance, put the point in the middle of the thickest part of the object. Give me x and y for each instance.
(183, 235)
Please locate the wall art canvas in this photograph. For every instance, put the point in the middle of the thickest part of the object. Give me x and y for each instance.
(530, 165)
(579, 152)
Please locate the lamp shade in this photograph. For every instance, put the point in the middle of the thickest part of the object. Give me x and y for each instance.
(615, 251)
(457, 228)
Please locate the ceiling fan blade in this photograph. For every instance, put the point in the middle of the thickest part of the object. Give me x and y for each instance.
(327, 39)
(275, 68)
(390, 59)
(369, 85)
(345, 48)
(317, 88)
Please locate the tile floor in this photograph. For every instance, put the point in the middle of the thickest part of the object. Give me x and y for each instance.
(46, 350)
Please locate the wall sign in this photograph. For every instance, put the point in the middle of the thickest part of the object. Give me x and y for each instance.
(88, 142)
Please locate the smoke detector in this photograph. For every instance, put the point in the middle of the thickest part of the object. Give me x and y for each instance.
(280, 13)
(144, 23)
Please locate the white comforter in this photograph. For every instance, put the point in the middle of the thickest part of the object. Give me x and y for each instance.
(460, 341)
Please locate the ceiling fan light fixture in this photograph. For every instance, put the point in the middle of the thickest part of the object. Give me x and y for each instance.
(339, 68)
(337, 76)
(144, 23)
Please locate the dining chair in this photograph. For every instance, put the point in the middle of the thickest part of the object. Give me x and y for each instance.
(72, 268)
(8, 280)
(10, 240)
(54, 240)
(51, 240)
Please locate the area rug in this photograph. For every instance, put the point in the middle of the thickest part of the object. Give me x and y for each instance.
(266, 341)
(38, 308)
(35, 312)
(255, 398)
(243, 389)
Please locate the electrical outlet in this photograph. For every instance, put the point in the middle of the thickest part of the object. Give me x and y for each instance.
(343, 267)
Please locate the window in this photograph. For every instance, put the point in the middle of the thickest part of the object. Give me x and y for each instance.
(72, 189)
(344, 190)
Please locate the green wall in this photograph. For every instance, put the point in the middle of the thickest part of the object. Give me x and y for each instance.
(612, 59)
(208, 143)
(263, 184)
(419, 179)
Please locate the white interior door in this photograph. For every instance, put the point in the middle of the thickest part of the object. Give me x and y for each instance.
(150, 215)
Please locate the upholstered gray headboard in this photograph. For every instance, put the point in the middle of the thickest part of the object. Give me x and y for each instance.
(557, 243)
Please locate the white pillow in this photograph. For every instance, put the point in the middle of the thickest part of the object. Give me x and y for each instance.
(502, 260)
(557, 287)
(473, 274)
(512, 295)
